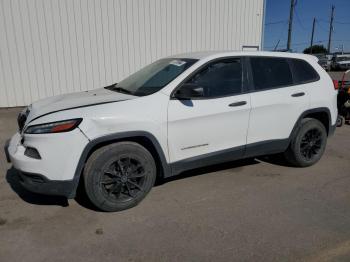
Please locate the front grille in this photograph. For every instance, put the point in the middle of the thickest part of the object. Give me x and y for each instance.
(22, 118)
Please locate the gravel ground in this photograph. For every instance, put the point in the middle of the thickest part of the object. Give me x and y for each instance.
(251, 210)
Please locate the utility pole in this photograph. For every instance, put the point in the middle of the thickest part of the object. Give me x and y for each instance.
(330, 30)
(290, 24)
(312, 35)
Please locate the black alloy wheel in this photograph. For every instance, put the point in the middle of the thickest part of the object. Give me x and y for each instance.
(311, 144)
(308, 143)
(118, 176)
(124, 179)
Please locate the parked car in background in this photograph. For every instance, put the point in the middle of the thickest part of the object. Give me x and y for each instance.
(324, 61)
(341, 62)
(178, 113)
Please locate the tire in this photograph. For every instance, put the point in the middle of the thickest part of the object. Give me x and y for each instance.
(340, 121)
(119, 176)
(308, 144)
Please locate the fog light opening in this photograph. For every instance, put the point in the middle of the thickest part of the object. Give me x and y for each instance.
(32, 152)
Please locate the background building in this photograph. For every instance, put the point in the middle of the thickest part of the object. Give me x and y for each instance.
(52, 47)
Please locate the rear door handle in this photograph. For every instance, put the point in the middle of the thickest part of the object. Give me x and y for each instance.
(298, 94)
(240, 103)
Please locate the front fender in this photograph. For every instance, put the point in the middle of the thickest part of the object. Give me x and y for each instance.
(116, 137)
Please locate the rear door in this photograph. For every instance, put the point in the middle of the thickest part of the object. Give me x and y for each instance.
(277, 99)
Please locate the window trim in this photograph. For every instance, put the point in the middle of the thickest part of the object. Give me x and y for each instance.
(252, 88)
(245, 80)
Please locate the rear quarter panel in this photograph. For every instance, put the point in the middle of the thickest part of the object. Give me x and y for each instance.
(322, 93)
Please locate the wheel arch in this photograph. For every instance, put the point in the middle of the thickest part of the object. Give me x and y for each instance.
(145, 139)
(322, 114)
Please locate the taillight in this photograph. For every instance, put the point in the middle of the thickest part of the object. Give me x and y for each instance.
(336, 84)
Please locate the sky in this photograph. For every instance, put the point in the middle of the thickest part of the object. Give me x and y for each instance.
(276, 24)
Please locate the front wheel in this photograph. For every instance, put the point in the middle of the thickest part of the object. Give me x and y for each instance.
(119, 176)
(308, 144)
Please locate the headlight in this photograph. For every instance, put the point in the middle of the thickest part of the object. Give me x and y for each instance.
(54, 127)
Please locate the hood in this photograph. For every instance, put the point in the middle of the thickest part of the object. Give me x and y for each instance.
(75, 100)
(343, 62)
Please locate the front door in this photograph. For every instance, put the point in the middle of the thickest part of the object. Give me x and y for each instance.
(215, 123)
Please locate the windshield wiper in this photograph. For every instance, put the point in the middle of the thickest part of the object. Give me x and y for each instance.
(119, 89)
(122, 90)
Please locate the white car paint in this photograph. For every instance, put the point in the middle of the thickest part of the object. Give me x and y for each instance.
(206, 126)
(182, 131)
(78, 99)
(274, 112)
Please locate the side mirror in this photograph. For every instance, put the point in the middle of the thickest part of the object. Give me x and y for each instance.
(188, 91)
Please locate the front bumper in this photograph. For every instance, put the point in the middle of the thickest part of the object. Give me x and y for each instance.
(53, 174)
(42, 185)
(7, 154)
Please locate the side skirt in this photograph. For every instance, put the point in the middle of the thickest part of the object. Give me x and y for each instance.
(207, 160)
(266, 147)
(227, 155)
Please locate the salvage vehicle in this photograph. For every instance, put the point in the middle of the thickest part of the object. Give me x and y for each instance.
(343, 87)
(324, 61)
(176, 114)
(341, 62)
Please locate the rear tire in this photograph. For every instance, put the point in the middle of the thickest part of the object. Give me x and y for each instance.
(119, 176)
(340, 121)
(308, 144)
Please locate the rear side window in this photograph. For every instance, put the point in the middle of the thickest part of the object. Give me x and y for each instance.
(303, 72)
(270, 72)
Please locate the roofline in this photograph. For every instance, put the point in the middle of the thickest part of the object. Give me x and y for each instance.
(218, 54)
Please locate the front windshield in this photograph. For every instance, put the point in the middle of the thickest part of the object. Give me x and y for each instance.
(153, 77)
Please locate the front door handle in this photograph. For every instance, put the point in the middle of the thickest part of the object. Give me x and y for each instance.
(240, 103)
(298, 94)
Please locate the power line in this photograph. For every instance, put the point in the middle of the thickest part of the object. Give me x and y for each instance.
(323, 20)
(340, 40)
(321, 26)
(280, 34)
(307, 43)
(276, 22)
(341, 23)
(299, 21)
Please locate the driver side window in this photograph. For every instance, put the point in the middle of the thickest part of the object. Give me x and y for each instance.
(220, 78)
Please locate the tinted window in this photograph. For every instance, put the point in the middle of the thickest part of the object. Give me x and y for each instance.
(270, 72)
(220, 78)
(303, 72)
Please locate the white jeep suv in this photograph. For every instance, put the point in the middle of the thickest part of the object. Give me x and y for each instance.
(176, 114)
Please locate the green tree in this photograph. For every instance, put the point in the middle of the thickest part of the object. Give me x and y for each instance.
(316, 49)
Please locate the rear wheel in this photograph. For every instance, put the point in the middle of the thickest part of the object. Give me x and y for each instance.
(119, 176)
(308, 145)
(340, 121)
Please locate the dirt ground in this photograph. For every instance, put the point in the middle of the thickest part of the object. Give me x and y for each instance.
(250, 210)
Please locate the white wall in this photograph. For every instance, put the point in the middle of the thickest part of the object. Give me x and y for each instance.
(50, 47)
